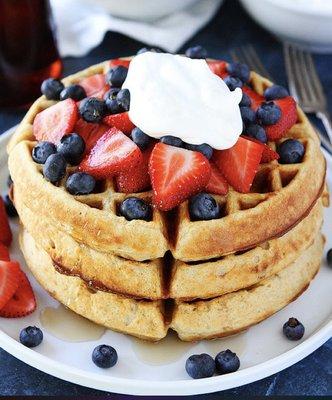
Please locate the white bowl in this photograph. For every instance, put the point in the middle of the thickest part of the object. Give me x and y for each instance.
(307, 23)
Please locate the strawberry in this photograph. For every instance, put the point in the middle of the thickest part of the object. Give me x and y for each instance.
(95, 85)
(5, 231)
(56, 121)
(113, 153)
(4, 253)
(287, 120)
(23, 301)
(90, 132)
(120, 121)
(118, 61)
(256, 99)
(176, 174)
(239, 164)
(268, 154)
(9, 280)
(218, 68)
(217, 183)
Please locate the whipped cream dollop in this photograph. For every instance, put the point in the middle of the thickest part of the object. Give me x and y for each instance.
(178, 96)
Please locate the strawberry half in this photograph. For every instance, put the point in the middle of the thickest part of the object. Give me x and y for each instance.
(4, 253)
(118, 61)
(268, 154)
(287, 120)
(9, 280)
(218, 68)
(95, 85)
(120, 121)
(217, 183)
(239, 164)
(256, 99)
(23, 301)
(90, 132)
(5, 231)
(113, 153)
(56, 121)
(176, 174)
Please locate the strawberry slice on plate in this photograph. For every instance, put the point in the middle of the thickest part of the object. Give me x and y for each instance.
(4, 253)
(256, 99)
(9, 280)
(90, 132)
(56, 121)
(218, 68)
(287, 120)
(5, 231)
(95, 85)
(23, 302)
(113, 153)
(217, 183)
(240, 163)
(176, 174)
(120, 121)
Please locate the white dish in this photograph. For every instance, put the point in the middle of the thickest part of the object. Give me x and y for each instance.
(263, 350)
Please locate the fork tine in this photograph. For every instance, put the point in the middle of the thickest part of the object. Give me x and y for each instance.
(235, 55)
(256, 61)
(313, 78)
(293, 73)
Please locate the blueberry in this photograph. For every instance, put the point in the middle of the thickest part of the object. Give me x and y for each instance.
(42, 151)
(55, 167)
(10, 208)
(75, 92)
(172, 141)
(329, 258)
(245, 101)
(257, 132)
(31, 336)
(104, 356)
(293, 329)
(291, 151)
(146, 49)
(196, 52)
(248, 115)
(9, 181)
(140, 138)
(123, 99)
(80, 183)
(135, 208)
(116, 76)
(200, 366)
(203, 207)
(111, 102)
(72, 147)
(269, 113)
(112, 93)
(275, 92)
(239, 70)
(92, 109)
(226, 362)
(233, 82)
(204, 148)
(52, 88)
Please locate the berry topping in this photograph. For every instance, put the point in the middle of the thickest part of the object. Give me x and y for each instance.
(293, 329)
(196, 52)
(104, 356)
(239, 70)
(55, 168)
(119, 61)
(9, 280)
(31, 336)
(287, 120)
(217, 183)
(233, 82)
(176, 174)
(114, 152)
(94, 85)
(200, 366)
(42, 151)
(123, 99)
(203, 207)
(226, 362)
(172, 141)
(90, 132)
(248, 115)
(204, 148)
(245, 101)
(120, 121)
(239, 164)
(80, 183)
(146, 49)
(116, 76)
(269, 113)
(10, 208)
(257, 132)
(5, 231)
(111, 102)
(52, 88)
(268, 154)
(140, 138)
(92, 109)
(291, 151)
(72, 148)
(56, 121)
(328, 258)
(135, 208)
(256, 99)
(75, 92)
(218, 68)
(9, 181)
(275, 92)
(4, 253)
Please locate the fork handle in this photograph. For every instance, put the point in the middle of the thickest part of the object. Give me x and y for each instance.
(324, 116)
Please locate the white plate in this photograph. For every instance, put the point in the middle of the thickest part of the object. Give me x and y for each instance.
(263, 350)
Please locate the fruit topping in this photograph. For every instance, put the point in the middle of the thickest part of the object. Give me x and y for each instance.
(140, 138)
(269, 113)
(123, 99)
(245, 101)
(75, 92)
(72, 148)
(227, 362)
(90, 132)
(31, 336)
(42, 151)
(4, 253)
(176, 174)
(172, 141)
(200, 366)
(92, 109)
(293, 329)
(196, 52)
(52, 88)
(256, 132)
(111, 102)
(9, 280)
(80, 183)
(275, 92)
(135, 208)
(9, 181)
(204, 148)
(239, 70)
(10, 208)
(291, 151)
(269, 154)
(203, 207)
(5, 231)
(119, 61)
(94, 85)
(248, 115)
(233, 82)
(116, 76)
(104, 356)
(288, 118)
(120, 121)
(218, 68)
(256, 99)
(217, 183)
(55, 168)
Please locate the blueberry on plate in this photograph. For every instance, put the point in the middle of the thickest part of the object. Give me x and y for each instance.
(72, 147)
(275, 92)
(226, 362)
(123, 99)
(55, 168)
(196, 52)
(92, 109)
(239, 70)
(10, 208)
(116, 76)
(75, 92)
(172, 141)
(141, 139)
(269, 113)
(31, 336)
(42, 151)
(245, 101)
(291, 151)
(52, 88)
(329, 258)
(104, 356)
(146, 49)
(204, 148)
(248, 115)
(135, 208)
(293, 329)
(257, 132)
(233, 82)
(80, 183)
(200, 366)
(203, 207)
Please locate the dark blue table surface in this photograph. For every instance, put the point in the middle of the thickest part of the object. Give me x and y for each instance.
(231, 27)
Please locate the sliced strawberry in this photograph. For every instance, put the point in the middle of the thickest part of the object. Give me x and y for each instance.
(9, 280)
(5, 231)
(217, 183)
(218, 68)
(268, 154)
(23, 301)
(256, 99)
(118, 61)
(239, 164)
(56, 121)
(4, 253)
(95, 85)
(176, 174)
(90, 132)
(287, 120)
(120, 121)
(113, 153)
